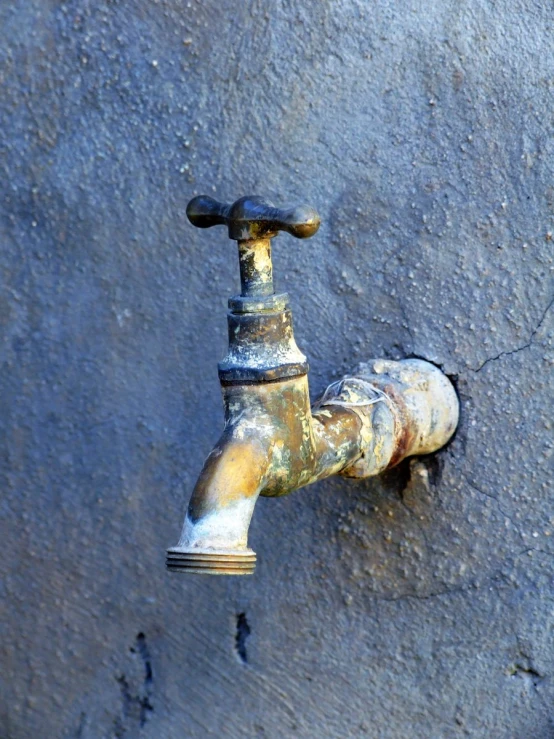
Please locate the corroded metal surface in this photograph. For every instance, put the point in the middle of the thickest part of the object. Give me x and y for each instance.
(273, 441)
(261, 347)
(252, 222)
(415, 411)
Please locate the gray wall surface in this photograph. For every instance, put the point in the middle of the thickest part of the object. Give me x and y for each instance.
(415, 606)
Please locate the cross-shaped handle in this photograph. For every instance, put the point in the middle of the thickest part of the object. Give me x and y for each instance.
(252, 222)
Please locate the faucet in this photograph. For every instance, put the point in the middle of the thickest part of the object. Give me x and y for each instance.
(273, 440)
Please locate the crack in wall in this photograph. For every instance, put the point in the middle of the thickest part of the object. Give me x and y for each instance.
(516, 526)
(520, 348)
(529, 672)
(466, 588)
(406, 322)
(81, 726)
(524, 667)
(471, 586)
(136, 699)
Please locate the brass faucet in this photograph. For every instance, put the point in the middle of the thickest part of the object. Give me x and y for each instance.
(273, 442)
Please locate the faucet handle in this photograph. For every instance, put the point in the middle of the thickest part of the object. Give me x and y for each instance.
(253, 222)
(251, 218)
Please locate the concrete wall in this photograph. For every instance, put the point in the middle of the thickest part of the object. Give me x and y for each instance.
(419, 605)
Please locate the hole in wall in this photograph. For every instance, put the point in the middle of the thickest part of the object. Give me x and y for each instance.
(397, 478)
(527, 673)
(242, 634)
(142, 649)
(136, 692)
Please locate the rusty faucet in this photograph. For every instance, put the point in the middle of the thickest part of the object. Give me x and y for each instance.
(273, 442)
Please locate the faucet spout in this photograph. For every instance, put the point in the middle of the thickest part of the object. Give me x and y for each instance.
(215, 532)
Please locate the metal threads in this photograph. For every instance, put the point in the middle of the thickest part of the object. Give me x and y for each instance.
(265, 304)
(211, 563)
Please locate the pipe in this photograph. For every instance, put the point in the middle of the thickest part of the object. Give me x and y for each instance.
(274, 443)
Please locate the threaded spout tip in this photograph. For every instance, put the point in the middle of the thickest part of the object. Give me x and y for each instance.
(211, 562)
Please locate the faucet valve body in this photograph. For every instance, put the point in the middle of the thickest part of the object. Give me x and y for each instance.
(273, 442)
(261, 345)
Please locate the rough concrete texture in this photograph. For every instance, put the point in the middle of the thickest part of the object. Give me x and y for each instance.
(420, 605)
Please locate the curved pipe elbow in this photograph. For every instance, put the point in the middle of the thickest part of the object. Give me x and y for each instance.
(215, 532)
